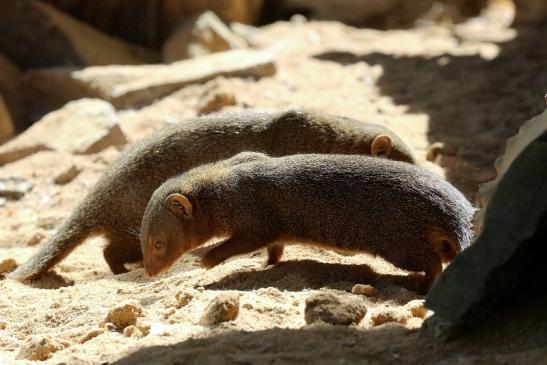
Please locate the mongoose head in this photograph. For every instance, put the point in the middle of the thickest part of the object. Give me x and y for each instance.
(167, 232)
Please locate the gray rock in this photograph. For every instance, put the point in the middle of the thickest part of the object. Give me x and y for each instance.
(513, 221)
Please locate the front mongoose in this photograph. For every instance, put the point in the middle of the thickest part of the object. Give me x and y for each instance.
(115, 205)
(398, 211)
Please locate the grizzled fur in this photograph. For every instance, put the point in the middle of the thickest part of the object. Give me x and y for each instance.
(395, 210)
(115, 206)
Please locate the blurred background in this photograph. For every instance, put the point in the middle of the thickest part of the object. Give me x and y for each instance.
(455, 78)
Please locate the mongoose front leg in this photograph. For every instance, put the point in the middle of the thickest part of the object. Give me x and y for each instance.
(275, 252)
(430, 276)
(121, 250)
(236, 245)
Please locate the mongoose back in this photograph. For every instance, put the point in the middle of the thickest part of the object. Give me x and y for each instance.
(115, 205)
(398, 211)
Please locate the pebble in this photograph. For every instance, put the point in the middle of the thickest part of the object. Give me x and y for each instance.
(223, 308)
(334, 309)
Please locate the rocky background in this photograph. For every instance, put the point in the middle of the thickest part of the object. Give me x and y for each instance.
(82, 80)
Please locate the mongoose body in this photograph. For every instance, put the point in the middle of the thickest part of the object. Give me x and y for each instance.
(398, 211)
(115, 205)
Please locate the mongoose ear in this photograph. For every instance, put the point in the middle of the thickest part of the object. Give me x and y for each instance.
(381, 146)
(179, 205)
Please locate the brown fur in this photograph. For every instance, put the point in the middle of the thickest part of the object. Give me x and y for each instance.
(395, 210)
(115, 206)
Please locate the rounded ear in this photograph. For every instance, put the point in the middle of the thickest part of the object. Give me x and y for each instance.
(179, 205)
(381, 146)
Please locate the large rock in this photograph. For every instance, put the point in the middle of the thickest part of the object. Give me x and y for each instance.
(205, 34)
(81, 127)
(510, 250)
(119, 17)
(11, 92)
(35, 34)
(129, 86)
(6, 123)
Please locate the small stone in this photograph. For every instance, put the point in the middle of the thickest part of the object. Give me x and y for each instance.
(125, 314)
(132, 331)
(417, 308)
(3, 325)
(7, 265)
(36, 238)
(14, 188)
(388, 316)
(40, 348)
(224, 307)
(215, 99)
(67, 176)
(144, 328)
(110, 327)
(334, 309)
(183, 298)
(364, 289)
(88, 336)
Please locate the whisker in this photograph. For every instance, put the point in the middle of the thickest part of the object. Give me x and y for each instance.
(133, 231)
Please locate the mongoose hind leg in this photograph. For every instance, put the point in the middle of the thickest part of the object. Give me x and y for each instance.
(236, 245)
(275, 252)
(120, 251)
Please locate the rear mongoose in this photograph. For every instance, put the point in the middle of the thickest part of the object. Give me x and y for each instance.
(115, 205)
(398, 211)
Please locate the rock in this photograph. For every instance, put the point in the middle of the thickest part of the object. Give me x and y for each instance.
(40, 348)
(363, 289)
(7, 265)
(156, 19)
(67, 175)
(92, 334)
(46, 37)
(14, 188)
(36, 237)
(132, 331)
(7, 127)
(389, 316)
(3, 325)
(183, 299)
(82, 127)
(417, 308)
(205, 34)
(216, 97)
(223, 308)
(125, 314)
(134, 86)
(12, 93)
(334, 309)
(510, 248)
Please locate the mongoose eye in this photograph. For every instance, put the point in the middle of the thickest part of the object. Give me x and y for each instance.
(158, 245)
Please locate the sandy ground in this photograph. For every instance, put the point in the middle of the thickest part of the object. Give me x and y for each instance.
(428, 85)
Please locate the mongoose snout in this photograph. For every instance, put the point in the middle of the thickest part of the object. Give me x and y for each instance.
(398, 211)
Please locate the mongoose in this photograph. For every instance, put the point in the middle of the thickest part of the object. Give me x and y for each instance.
(115, 205)
(398, 211)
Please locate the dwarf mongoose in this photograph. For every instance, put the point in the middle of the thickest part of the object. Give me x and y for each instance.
(398, 211)
(115, 205)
